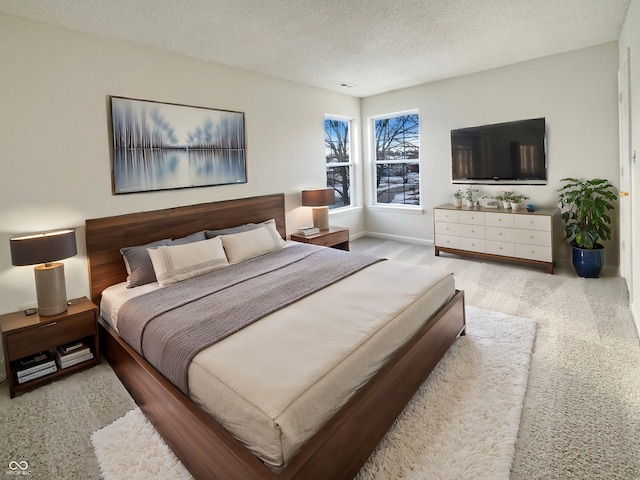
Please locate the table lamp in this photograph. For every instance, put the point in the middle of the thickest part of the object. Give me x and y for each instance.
(46, 248)
(320, 198)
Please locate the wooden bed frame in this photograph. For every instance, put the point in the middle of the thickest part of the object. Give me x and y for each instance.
(207, 450)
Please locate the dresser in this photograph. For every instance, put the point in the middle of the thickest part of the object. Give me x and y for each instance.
(521, 236)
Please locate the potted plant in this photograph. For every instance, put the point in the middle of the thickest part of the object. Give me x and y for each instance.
(516, 199)
(457, 198)
(470, 196)
(584, 205)
(505, 198)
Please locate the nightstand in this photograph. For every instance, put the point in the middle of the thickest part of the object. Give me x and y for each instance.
(23, 336)
(335, 237)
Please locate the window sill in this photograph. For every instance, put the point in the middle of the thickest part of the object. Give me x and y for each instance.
(412, 209)
(337, 212)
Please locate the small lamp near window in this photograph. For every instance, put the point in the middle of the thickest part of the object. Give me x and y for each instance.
(320, 198)
(46, 248)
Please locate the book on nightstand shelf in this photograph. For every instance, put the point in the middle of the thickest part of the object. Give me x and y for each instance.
(75, 353)
(35, 366)
(306, 231)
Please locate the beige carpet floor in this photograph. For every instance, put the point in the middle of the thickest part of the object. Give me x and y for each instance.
(581, 414)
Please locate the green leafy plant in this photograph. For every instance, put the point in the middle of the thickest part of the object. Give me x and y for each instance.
(584, 205)
(458, 194)
(517, 198)
(504, 196)
(470, 194)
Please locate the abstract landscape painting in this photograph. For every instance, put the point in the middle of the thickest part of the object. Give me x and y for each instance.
(161, 146)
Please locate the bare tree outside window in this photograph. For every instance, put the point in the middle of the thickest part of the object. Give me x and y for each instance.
(397, 147)
(338, 160)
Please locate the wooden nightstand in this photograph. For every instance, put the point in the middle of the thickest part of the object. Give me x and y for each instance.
(335, 237)
(24, 335)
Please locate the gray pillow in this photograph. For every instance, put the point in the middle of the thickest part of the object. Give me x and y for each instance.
(194, 237)
(139, 267)
(231, 230)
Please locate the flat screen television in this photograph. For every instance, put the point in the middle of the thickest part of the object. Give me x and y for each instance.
(507, 153)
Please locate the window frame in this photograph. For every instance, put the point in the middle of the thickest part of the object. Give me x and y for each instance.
(375, 162)
(351, 164)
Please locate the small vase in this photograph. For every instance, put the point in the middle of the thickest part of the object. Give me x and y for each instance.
(457, 202)
(470, 203)
(506, 204)
(515, 206)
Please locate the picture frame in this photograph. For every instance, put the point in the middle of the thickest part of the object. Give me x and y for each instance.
(164, 146)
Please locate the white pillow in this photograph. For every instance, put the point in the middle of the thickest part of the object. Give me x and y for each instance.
(178, 262)
(245, 245)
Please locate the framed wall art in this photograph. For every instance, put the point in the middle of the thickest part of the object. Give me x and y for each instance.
(162, 146)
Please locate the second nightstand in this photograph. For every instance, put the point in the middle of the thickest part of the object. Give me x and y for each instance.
(335, 237)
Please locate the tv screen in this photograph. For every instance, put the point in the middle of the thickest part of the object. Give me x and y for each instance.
(511, 152)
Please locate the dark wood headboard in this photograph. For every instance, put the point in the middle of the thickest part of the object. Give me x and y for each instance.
(106, 236)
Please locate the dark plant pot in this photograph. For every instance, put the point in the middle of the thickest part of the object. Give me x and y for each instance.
(588, 263)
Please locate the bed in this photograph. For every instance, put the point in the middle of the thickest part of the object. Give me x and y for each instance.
(342, 443)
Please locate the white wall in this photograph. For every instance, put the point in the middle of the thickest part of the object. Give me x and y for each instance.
(575, 91)
(55, 146)
(630, 39)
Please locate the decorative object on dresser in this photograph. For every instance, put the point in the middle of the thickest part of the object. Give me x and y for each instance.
(46, 248)
(29, 340)
(518, 236)
(516, 200)
(505, 198)
(320, 199)
(335, 237)
(584, 205)
(470, 195)
(458, 195)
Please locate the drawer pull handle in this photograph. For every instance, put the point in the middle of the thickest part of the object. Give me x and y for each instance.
(48, 324)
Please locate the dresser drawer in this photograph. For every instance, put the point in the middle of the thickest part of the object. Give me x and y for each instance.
(40, 337)
(501, 234)
(472, 218)
(501, 248)
(499, 220)
(450, 216)
(534, 252)
(532, 222)
(532, 237)
(460, 230)
(447, 241)
(473, 244)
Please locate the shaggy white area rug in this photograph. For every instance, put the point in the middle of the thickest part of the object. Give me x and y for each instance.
(461, 424)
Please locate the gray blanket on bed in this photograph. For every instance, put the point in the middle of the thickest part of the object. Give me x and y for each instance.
(171, 325)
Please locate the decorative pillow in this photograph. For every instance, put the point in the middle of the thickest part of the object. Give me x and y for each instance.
(174, 263)
(194, 237)
(139, 266)
(245, 245)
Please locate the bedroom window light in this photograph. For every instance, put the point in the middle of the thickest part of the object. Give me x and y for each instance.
(339, 165)
(397, 159)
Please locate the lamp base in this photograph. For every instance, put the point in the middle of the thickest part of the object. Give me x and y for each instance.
(321, 218)
(51, 289)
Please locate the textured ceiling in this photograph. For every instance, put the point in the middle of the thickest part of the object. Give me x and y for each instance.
(375, 45)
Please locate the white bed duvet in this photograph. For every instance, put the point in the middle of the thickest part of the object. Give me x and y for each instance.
(276, 382)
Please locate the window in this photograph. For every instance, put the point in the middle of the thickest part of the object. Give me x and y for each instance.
(337, 141)
(397, 159)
